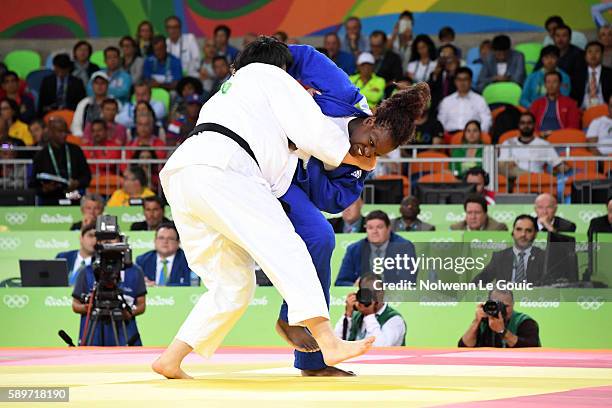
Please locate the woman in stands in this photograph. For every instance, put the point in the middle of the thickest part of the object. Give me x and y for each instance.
(9, 111)
(472, 135)
(83, 68)
(130, 60)
(134, 188)
(152, 169)
(422, 60)
(144, 35)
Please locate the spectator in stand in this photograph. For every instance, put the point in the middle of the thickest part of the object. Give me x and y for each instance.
(9, 111)
(12, 176)
(153, 210)
(600, 133)
(516, 157)
(388, 64)
(162, 70)
(222, 73)
(464, 105)
(60, 90)
(59, 159)
(116, 132)
(144, 38)
(186, 87)
(594, 81)
(83, 68)
(428, 130)
(207, 73)
(472, 136)
(142, 93)
(131, 62)
(442, 79)
(546, 210)
(24, 100)
(152, 169)
(476, 175)
(38, 130)
(601, 224)
(476, 217)
(400, 40)
(222, 35)
(504, 65)
(343, 59)
(79, 259)
(423, 59)
(92, 205)
(120, 82)
(534, 85)
(446, 36)
(410, 209)
(183, 46)
(4, 135)
(486, 46)
(90, 108)
(145, 137)
(571, 59)
(180, 128)
(554, 111)
(354, 42)
(134, 188)
(101, 141)
(604, 36)
(351, 219)
(166, 265)
(577, 38)
(371, 85)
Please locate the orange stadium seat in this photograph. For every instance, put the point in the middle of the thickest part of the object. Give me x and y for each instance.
(581, 166)
(429, 167)
(563, 136)
(105, 184)
(74, 139)
(536, 183)
(592, 113)
(66, 114)
(567, 190)
(441, 177)
(502, 184)
(405, 181)
(508, 135)
(456, 138)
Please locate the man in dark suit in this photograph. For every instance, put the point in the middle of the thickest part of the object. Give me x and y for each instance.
(519, 263)
(166, 265)
(364, 256)
(388, 64)
(351, 220)
(153, 210)
(60, 90)
(594, 81)
(410, 208)
(546, 208)
(78, 259)
(572, 57)
(601, 224)
(503, 64)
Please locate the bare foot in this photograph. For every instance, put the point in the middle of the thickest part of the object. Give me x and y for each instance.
(337, 351)
(169, 370)
(327, 372)
(297, 337)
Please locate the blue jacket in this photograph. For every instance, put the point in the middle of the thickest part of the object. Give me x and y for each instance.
(70, 257)
(356, 261)
(180, 275)
(534, 87)
(515, 70)
(171, 70)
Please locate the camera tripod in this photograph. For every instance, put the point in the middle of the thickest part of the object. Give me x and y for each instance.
(107, 307)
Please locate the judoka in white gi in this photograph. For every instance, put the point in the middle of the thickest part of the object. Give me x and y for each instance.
(224, 204)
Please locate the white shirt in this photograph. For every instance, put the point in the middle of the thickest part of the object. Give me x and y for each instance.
(502, 67)
(390, 334)
(187, 50)
(420, 72)
(265, 106)
(455, 111)
(528, 158)
(601, 128)
(586, 101)
(77, 126)
(160, 267)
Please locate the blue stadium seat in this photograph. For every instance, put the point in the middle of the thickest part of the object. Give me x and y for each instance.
(472, 55)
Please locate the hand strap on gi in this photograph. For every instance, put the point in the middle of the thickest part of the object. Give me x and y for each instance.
(217, 128)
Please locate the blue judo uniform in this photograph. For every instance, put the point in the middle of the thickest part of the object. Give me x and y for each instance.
(313, 188)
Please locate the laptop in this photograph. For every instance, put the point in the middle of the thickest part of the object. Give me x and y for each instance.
(37, 273)
(17, 198)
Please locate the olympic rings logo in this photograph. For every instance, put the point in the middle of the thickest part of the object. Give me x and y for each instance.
(425, 216)
(16, 301)
(16, 218)
(590, 303)
(504, 216)
(9, 244)
(587, 216)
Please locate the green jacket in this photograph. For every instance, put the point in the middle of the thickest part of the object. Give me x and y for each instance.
(373, 90)
(357, 320)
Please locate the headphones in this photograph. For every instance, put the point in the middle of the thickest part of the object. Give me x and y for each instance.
(476, 171)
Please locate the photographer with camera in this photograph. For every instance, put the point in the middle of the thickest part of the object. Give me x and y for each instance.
(496, 324)
(366, 314)
(109, 293)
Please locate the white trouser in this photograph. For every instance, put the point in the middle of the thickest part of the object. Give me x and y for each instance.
(226, 219)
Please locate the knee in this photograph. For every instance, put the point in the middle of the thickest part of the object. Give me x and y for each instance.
(240, 295)
(325, 239)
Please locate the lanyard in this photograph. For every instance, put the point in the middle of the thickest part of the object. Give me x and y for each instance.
(167, 74)
(54, 161)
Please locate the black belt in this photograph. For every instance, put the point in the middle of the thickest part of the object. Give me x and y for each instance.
(217, 128)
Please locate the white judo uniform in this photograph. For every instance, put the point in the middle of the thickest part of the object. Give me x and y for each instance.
(225, 206)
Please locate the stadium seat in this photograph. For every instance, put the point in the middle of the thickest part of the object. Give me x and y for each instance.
(536, 183)
(593, 113)
(35, 78)
(567, 191)
(429, 167)
(66, 114)
(502, 184)
(476, 68)
(456, 138)
(508, 135)
(405, 181)
(439, 177)
(472, 55)
(563, 136)
(161, 95)
(98, 58)
(502, 92)
(22, 62)
(580, 166)
(105, 184)
(531, 51)
(74, 139)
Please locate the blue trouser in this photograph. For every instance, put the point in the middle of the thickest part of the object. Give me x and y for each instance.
(317, 233)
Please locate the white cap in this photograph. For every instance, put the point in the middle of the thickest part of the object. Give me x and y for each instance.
(365, 58)
(100, 74)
